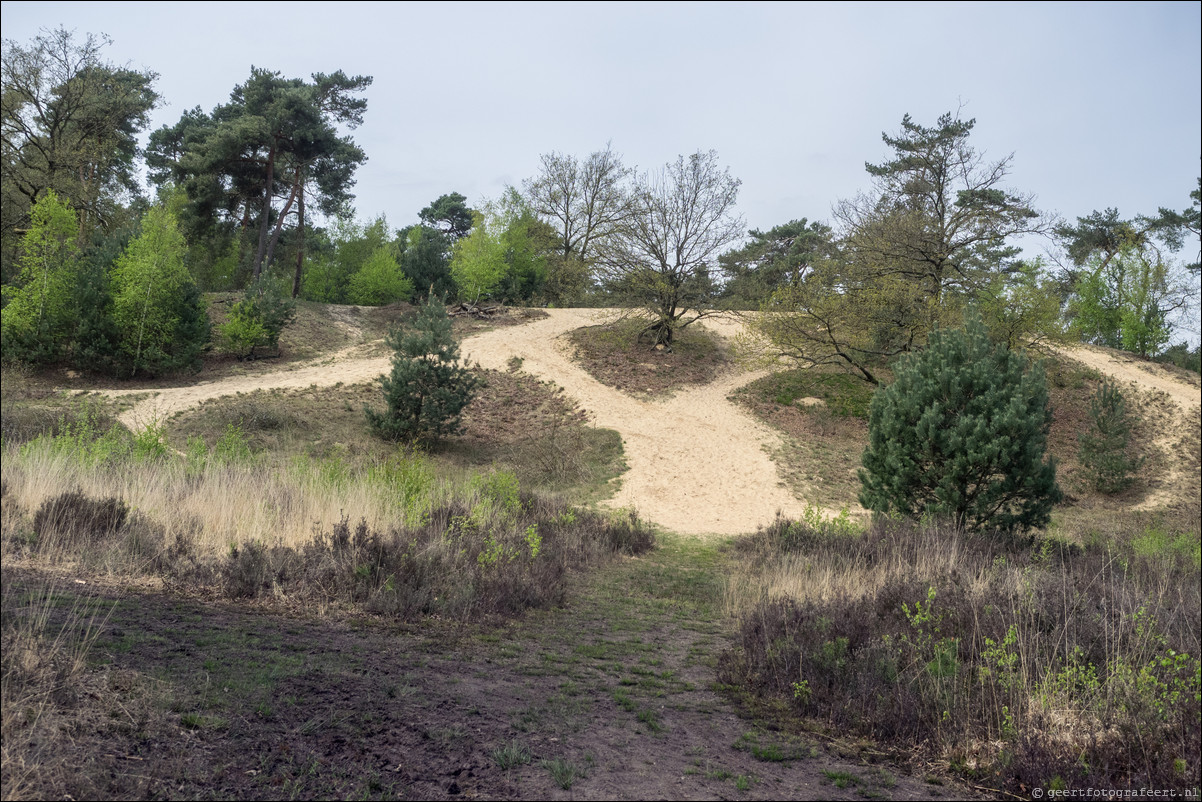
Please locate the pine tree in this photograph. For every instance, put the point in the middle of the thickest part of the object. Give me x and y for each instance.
(428, 387)
(1103, 447)
(961, 433)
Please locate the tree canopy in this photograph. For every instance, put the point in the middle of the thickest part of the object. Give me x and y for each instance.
(930, 240)
(252, 161)
(962, 433)
(69, 122)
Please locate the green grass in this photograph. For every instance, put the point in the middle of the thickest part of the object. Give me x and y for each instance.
(515, 423)
(565, 773)
(842, 394)
(510, 755)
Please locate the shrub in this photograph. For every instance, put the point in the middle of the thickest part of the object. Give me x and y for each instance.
(428, 387)
(256, 321)
(1104, 445)
(74, 517)
(501, 556)
(158, 312)
(379, 282)
(963, 645)
(962, 433)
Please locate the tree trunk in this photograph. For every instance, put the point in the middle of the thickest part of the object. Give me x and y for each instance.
(279, 227)
(300, 248)
(264, 217)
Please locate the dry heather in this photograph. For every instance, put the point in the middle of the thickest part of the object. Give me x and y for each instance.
(1052, 665)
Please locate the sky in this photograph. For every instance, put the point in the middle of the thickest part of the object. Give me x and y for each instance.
(1099, 103)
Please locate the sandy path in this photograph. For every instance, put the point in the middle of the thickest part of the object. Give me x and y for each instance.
(697, 463)
(1185, 397)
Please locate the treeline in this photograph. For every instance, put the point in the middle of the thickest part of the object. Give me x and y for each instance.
(257, 192)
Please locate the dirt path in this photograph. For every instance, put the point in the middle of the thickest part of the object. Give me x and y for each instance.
(1184, 413)
(697, 463)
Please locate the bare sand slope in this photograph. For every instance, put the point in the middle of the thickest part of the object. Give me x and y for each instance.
(1185, 413)
(342, 366)
(697, 463)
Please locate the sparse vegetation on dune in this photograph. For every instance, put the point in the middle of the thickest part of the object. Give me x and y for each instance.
(1069, 663)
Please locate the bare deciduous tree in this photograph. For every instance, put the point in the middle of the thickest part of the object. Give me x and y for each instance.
(584, 201)
(681, 218)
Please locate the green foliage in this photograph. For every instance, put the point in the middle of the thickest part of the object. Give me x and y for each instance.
(927, 243)
(778, 257)
(1103, 447)
(1180, 355)
(510, 755)
(428, 387)
(528, 244)
(71, 124)
(276, 138)
(38, 315)
(88, 441)
(568, 281)
(157, 309)
(1123, 301)
(425, 262)
(449, 215)
(478, 263)
(342, 251)
(241, 331)
(1021, 308)
(380, 281)
(962, 433)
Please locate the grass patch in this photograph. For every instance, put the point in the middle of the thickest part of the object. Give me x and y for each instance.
(515, 422)
(613, 356)
(510, 755)
(213, 520)
(844, 395)
(823, 417)
(777, 748)
(565, 773)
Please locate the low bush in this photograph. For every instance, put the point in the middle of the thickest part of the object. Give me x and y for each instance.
(70, 518)
(213, 520)
(493, 553)
(1021, 667)
(1104, 447)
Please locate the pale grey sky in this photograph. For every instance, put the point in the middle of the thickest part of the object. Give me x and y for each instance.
(1099, 102)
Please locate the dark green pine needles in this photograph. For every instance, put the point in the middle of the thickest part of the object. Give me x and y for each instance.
(428, 387)
(961, 434)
